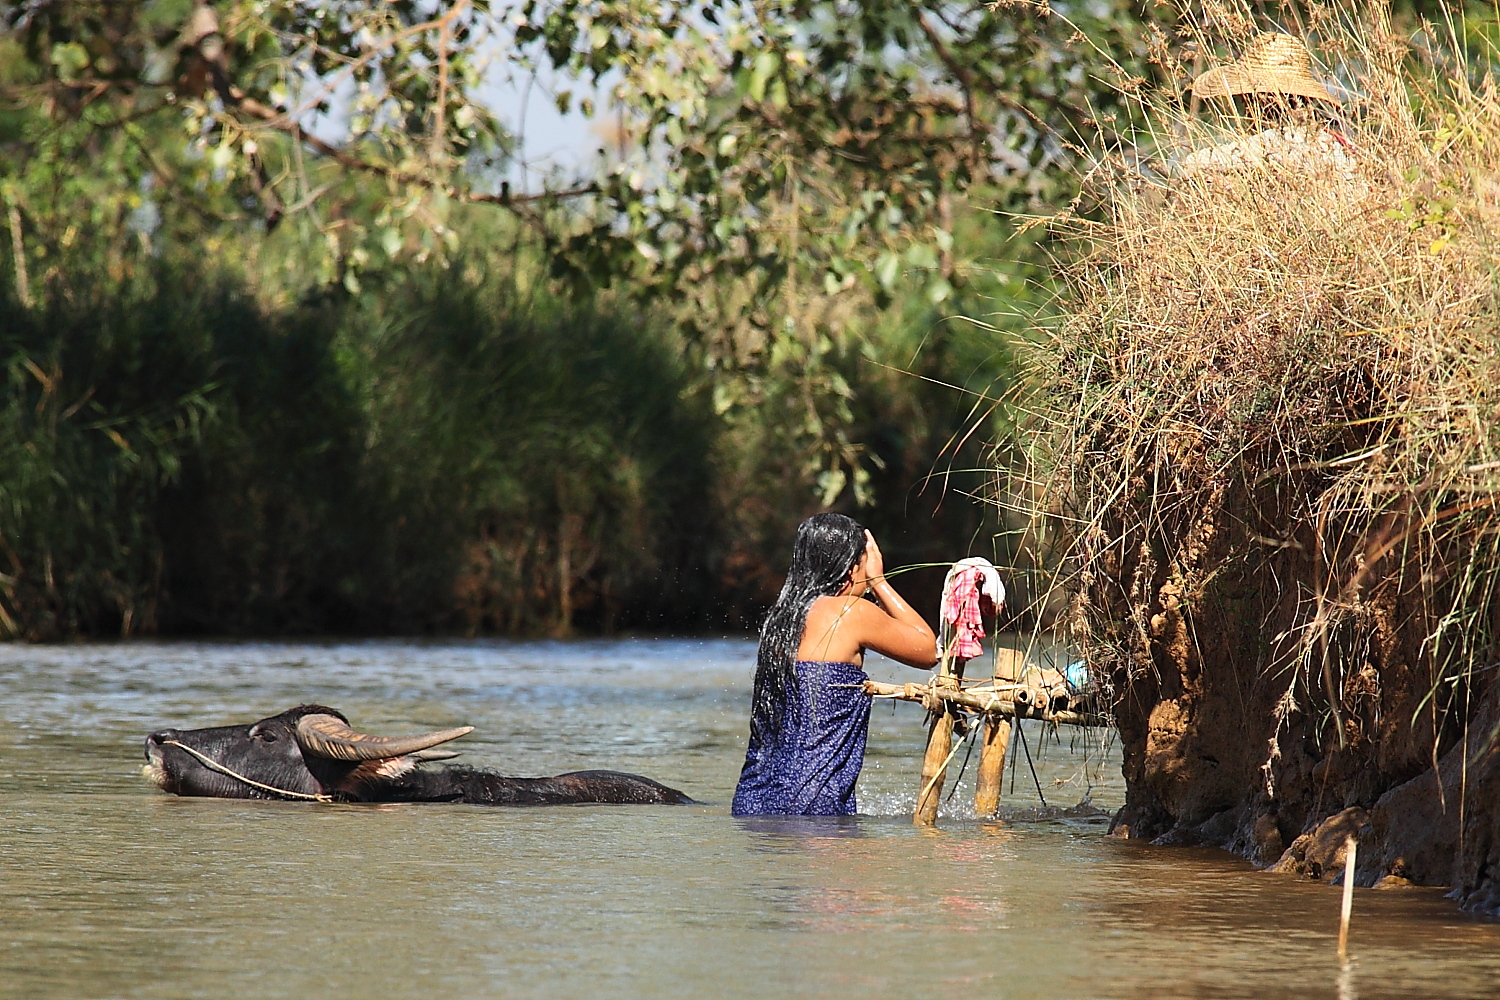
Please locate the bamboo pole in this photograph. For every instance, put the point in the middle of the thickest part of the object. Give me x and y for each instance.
(989, 700)
(939, 747)
(18, 248)
(930, 792)
(1008, 666)
(991, 765)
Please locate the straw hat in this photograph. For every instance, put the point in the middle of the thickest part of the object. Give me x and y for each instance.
(1273, 63)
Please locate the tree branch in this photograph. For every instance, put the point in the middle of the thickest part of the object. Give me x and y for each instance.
(970, 82)
(961, 73)
(351, 66)
(439, 120)
(238, 100)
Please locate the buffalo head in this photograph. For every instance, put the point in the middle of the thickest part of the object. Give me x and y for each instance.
(307, 752)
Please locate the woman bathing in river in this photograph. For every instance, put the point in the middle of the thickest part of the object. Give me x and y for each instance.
(809, 716)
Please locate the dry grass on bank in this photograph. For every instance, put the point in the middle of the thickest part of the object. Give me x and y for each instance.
(1292, 367)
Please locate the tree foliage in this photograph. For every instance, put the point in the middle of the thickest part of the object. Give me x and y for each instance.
(765, 137)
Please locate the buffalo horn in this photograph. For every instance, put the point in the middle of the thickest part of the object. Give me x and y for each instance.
(330, 736)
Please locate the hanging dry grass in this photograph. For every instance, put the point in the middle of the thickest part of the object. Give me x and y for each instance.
(1271, 428)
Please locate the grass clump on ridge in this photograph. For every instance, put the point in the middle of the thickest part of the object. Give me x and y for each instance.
(1276, 388)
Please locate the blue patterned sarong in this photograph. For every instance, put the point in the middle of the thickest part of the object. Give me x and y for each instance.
(812, 766)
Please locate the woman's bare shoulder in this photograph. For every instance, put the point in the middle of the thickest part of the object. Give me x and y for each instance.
(840, 606)
(848, 614)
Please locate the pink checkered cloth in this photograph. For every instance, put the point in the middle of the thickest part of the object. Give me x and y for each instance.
(971, 590)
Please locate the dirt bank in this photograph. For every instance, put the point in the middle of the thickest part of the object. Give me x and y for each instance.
(1231, 741)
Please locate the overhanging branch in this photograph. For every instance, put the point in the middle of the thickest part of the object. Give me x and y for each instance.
(266, 117)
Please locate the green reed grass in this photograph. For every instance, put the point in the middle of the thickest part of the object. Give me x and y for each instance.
(453, 454)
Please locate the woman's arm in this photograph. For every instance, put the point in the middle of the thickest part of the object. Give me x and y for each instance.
(894, 629)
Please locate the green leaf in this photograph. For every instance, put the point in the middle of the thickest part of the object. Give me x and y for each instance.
(921, 255)
(765, 64)
(887, 270)
(723, 397)
(831, 483)
(778, 93)
(70, 58)
(158, 14)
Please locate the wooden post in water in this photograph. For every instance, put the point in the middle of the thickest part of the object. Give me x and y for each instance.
(1351, 846)
(930, 792)
(996, 741)
(991, 765)
(939, 746)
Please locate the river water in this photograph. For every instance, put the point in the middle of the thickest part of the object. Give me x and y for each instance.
(109, 888)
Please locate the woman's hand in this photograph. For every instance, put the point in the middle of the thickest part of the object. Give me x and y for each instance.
(873, 563)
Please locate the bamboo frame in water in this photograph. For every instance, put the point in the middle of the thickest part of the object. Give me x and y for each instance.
(989, 700)
(1004, 698)
(998, 703)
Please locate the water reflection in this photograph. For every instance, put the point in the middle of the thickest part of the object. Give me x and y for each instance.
(108, 888)
(1346, 982)
(799, 828)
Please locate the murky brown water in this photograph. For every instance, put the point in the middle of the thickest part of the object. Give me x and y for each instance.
(109, 888)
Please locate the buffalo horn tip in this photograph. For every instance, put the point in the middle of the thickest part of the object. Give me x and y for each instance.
(432, 755)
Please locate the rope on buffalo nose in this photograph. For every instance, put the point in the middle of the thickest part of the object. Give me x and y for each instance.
(214, 765)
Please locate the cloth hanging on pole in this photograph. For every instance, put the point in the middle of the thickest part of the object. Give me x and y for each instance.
(971, 590)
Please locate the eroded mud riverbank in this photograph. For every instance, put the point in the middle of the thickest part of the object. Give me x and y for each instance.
(1230, 737)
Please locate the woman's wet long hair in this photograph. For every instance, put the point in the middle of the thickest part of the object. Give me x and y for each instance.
(827, 549)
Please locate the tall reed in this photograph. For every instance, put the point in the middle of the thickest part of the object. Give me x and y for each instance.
(452, 454)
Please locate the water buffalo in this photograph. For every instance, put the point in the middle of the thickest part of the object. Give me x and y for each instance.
(310, 753)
